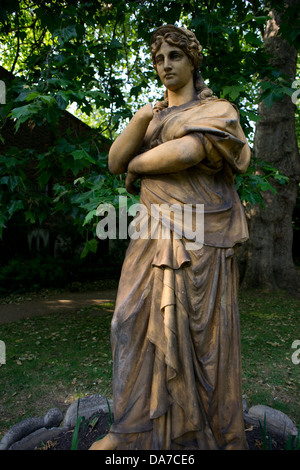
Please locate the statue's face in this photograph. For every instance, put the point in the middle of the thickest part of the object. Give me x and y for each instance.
(174, 67)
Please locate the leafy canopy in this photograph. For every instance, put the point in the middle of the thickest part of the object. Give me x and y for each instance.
(92, 58)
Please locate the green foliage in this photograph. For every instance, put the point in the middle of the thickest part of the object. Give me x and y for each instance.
(81, 423)
(260, 177)
(82, 198)
(18, 193)
(293, 442)
(42, 271)
(80, 420)
(266, 440)
(93, 58)
(21, 274)
(109, 421)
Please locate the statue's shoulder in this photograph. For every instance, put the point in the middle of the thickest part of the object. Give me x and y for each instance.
(219, 106)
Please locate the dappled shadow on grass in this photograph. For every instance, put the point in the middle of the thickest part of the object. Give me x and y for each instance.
(63, 302)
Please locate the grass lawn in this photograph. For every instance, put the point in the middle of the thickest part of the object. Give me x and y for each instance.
(270, 323)
(53, 360)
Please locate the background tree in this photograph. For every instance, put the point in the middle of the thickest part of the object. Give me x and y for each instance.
(269, 256)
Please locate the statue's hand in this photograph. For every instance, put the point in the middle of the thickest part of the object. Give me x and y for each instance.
(129, 183)
(146, 112)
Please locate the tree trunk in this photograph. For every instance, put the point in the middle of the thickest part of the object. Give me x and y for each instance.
(268, 254)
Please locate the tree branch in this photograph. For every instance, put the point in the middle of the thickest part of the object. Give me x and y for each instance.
(18, 46)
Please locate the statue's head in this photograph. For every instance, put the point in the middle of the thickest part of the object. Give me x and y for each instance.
(187, 41)
(179, 37)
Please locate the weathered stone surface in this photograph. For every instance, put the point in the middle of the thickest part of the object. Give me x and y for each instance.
(276, 421)
(87, 407)
(53, 418)
(19, 430)
(36, 438)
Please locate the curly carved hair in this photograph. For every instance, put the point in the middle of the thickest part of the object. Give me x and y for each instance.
(189, 44)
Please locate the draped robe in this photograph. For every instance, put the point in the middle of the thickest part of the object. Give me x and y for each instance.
(175, 331)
